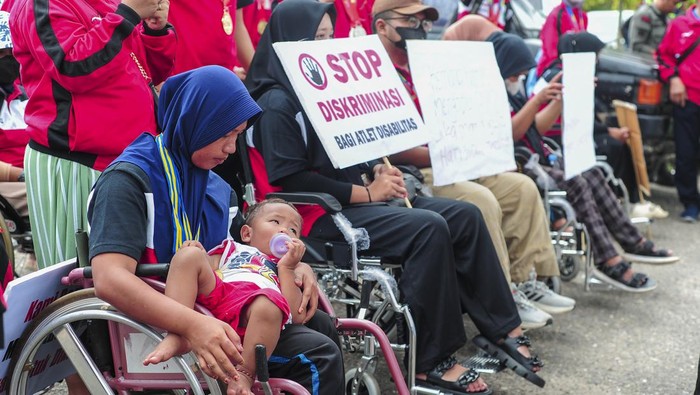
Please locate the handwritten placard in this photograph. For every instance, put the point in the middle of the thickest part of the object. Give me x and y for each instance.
(577, 125)
(464, 104)
(353, 97)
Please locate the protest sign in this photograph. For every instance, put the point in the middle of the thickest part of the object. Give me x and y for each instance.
(353, 97)
(465, 106)
(577, 123)
(26, 298)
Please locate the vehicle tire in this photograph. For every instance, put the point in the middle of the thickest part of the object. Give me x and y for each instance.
(368, 384)
(666, 170)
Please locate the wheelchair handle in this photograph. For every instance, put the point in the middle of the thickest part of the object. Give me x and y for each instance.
(326, 201)
(261, 363)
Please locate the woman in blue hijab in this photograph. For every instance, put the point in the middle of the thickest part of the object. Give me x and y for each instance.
(159, 193)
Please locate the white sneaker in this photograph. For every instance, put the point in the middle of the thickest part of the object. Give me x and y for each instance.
(648, 210)
(531, 316)
(539, 294)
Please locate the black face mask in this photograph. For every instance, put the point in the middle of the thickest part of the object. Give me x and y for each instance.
(9, 70)
(407, 33)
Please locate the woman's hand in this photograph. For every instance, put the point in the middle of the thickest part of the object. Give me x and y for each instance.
(306, 280)
(216, 345)
(193, 243)
(678, 92)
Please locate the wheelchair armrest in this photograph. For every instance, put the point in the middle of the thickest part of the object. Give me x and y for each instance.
(522, 155)
(142, 270)
(552, 145)
(326, 201)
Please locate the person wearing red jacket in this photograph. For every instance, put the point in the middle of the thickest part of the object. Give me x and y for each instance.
(212, 32)
(353, 17)
(678, 57)
(256, 17)
(567, 17)
(89, 69)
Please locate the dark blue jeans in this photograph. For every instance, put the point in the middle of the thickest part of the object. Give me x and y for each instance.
(686, 127)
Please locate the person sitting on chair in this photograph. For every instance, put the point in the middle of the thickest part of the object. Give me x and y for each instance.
(249, 286)
(439, 241)
(159, 193)
(594, 202)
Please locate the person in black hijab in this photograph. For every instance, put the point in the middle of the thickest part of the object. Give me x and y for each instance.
(594, 202)
(443, 245)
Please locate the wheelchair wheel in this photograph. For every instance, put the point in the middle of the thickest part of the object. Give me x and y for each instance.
(7, 241)
(367, 384)
(569, 266)
(59, 321)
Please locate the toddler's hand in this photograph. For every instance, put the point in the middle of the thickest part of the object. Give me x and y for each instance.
(291, 259)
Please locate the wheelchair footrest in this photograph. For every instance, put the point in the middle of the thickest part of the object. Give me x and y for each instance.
(483, 363)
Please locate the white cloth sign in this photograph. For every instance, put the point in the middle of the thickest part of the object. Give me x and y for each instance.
(353, 97)
(465, 106)
(577, 123)
(26, 297)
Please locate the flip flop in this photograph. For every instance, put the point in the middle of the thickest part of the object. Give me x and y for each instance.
(508, 354)
(458, 387)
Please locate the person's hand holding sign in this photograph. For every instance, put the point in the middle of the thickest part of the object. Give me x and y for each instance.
(388, 184)
(552, 92)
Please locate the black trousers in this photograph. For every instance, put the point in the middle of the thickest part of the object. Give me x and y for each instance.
(310, 355)
(449, 267)
(686, 128)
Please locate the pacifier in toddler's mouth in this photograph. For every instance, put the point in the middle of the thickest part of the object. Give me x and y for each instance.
(278, 244)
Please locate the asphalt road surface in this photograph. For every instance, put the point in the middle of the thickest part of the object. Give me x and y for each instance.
(616, 342)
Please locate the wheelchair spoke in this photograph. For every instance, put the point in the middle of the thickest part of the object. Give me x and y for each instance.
(84, 365)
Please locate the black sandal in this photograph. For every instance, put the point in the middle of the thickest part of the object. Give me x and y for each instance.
(645, 252)
(614, 275)
(459, 387)
(507, 352)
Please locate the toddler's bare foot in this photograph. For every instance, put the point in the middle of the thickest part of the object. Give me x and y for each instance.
(171, 346)
(241, 386)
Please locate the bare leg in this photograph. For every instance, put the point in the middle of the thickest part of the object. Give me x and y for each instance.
(76, 386)
(263, 322)
(188, 264)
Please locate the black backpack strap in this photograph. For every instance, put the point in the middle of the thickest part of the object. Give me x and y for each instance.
(559, 14)
(687, 52)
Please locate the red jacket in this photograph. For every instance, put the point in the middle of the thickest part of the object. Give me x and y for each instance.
(558, 22)
(350, 13)
(681, 33)
(202, 39)
(256, 18)
(88, 97)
